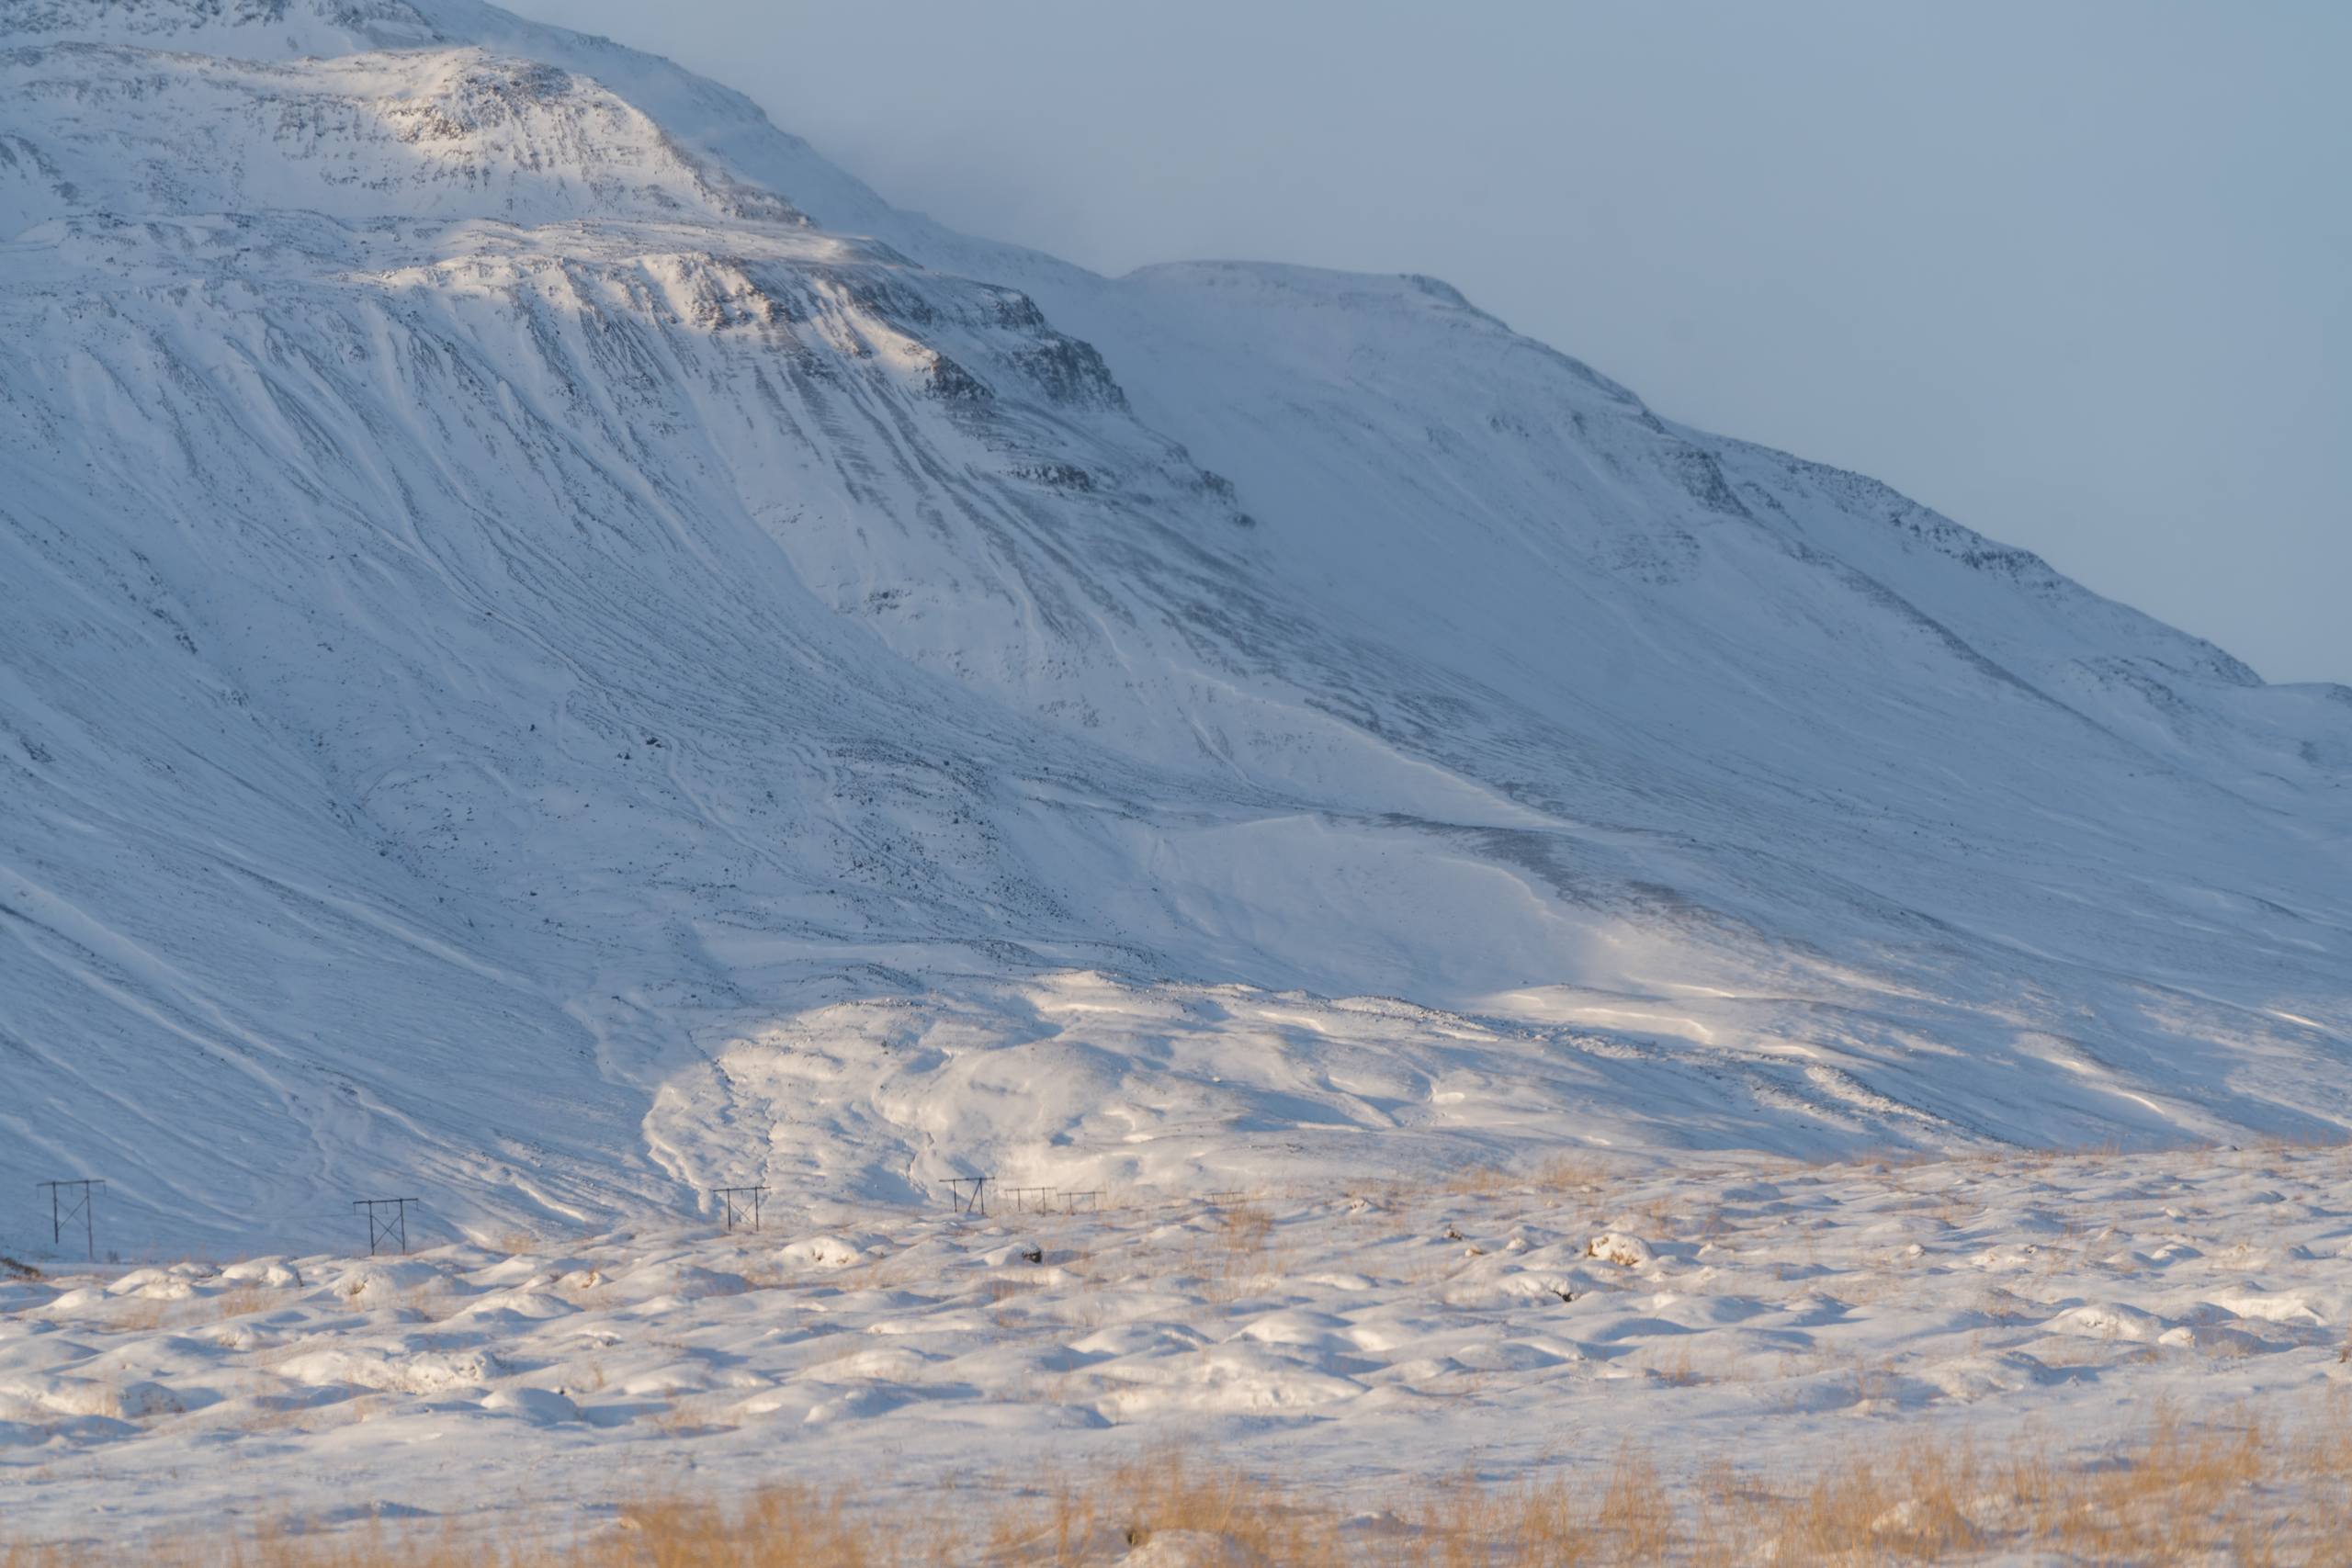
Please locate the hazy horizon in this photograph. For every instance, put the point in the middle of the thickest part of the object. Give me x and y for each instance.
(2081, 280)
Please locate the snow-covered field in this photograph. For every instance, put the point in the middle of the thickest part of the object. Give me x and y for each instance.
(557, 653)
(1360, 1340)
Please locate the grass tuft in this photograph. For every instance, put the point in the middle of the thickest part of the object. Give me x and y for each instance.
(2236, 1492)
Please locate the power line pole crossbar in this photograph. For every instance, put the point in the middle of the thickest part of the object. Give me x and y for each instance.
(63, 1208)
(731, 1195)
(387, 1221)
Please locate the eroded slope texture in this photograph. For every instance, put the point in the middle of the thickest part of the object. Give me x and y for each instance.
(555, 653)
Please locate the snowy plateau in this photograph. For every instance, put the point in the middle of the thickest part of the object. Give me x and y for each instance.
(557, 654)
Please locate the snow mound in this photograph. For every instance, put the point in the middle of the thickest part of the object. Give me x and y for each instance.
(395, 1369)
(1360, 1349)
(2107, 1320)
(1626, 1251)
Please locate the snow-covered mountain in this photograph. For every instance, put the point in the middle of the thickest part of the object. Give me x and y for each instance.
(556, 651)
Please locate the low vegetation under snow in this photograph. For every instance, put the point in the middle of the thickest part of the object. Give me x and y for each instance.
(1728, 1324)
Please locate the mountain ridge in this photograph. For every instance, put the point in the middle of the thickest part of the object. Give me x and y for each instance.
(561, 650)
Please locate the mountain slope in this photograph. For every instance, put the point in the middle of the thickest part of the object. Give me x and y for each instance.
(556, 650)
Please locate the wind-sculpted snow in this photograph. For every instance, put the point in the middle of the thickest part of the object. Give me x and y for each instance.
(557, 653)
(459, 133)
(1357, 1340)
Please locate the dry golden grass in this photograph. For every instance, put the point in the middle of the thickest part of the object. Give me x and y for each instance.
(691, 1418)
(1573, 1172)
(1578, 1172)
(243, 1302)
(2238, 1492)
(140, 1314)
(1098, 1519)
(432, 1300)
(1237, 1258)
(1482, 1182)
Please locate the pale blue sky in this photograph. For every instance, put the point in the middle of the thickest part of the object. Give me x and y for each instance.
(2079, 275)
